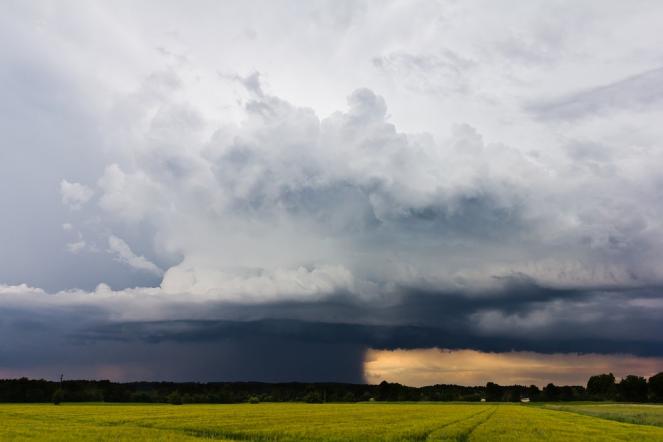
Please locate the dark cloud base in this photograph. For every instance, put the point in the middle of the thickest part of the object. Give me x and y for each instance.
(343, 334)
(321, 340)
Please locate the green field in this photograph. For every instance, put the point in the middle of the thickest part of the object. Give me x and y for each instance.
(633, 414)
(332, 422)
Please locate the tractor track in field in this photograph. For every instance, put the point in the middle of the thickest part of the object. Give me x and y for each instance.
(427, 435)
(466, 435)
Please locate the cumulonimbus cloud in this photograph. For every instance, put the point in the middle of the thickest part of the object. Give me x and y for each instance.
(287, 204)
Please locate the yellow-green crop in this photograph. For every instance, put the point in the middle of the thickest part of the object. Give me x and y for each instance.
(310, 422)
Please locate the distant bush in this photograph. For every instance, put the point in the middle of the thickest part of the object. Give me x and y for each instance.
(254, 400)
(58, 396)
(175, 398)
(313, 398)
(349, 397)
(140, 396)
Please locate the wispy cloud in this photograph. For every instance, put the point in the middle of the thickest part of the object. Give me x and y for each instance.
(639, 92)
(123, 253)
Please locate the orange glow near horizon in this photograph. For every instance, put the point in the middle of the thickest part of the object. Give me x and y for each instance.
(470, 367)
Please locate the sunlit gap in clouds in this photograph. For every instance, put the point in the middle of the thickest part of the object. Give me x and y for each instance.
(431, 366)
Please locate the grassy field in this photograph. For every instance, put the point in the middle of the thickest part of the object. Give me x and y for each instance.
(641, 414)
(330, 422)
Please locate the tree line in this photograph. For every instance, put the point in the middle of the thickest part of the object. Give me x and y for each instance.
(603, 387)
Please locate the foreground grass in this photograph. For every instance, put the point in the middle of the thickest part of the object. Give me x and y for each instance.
(311, 422)
(641, 414)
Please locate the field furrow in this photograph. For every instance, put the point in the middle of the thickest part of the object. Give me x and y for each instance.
(460, 430)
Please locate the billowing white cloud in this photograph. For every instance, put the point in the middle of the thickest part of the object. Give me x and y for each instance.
(259, 284)
(75, 195)
(126, 194)
(252, 165)
(286, 203)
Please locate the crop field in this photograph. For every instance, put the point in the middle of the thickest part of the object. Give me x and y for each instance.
(331, 422)
(634, 414)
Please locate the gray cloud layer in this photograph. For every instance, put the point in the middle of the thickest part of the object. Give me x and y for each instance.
(128, 335)
(639, 92)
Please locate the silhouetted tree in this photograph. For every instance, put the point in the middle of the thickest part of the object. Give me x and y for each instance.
(633, 389)
(35, 395)
(566, 393)
(655, 387)
(533, 393)
(494, 392)
(35, 390)
(602, 387)
(513, 395)
(395, 392)
(551, 392)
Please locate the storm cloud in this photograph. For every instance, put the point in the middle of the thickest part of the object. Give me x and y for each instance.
(207, 193)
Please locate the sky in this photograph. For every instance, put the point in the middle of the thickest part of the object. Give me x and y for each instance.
(418, 191)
